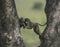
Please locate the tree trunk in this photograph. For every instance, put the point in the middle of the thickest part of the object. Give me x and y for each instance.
(9, 25)
(51, 35)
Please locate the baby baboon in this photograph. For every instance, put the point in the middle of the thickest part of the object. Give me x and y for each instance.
(26, 23)
(21, 22)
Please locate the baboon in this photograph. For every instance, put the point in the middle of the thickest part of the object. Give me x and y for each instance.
(26, 23)
(21, 22)
(30, 24)
(34, 26)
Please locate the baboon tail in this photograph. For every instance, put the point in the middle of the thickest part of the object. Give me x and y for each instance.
(43, 24)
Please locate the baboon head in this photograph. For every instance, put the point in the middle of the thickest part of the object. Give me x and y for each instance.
(28, 23)
(21, 22)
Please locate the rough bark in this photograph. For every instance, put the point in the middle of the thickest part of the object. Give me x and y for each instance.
(51, 35)
(9, 25)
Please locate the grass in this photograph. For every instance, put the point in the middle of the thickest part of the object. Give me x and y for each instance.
(24, 10)
(30, 38)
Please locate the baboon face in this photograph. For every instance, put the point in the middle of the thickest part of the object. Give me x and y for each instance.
(28, 23)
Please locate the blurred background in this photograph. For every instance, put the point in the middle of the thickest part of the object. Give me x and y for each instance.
(34, 10)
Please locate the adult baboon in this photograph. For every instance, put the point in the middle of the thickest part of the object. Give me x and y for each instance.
(30, 24)
(34, 26)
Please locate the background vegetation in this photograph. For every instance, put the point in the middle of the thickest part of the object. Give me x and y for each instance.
(34, 10)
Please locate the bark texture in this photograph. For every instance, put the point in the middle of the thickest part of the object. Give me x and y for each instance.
(51, 35)
(9, 25)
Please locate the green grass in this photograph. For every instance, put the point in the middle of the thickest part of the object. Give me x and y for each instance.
(24, 10)
(30, 38)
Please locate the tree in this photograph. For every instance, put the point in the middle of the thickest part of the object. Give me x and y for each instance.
(9, 25)
(51, 34)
